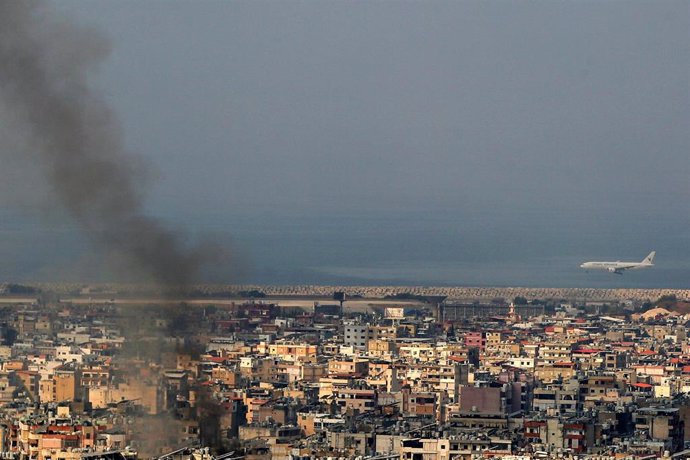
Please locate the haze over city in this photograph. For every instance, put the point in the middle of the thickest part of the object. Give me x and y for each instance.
(470, 143)
(362, 230)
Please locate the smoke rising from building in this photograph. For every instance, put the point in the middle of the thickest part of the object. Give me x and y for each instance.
(76, 141)
(45, 64)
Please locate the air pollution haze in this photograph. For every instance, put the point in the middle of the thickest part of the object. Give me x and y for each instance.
(75, 138)
(441, 142)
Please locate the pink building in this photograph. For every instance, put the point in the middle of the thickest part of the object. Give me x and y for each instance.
(475, 340)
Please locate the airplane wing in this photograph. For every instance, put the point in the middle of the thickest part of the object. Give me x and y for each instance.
(619, 270)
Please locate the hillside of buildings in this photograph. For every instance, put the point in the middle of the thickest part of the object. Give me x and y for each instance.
(522, 380)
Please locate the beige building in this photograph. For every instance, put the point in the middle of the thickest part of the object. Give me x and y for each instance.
(351, 366)
(293, 351)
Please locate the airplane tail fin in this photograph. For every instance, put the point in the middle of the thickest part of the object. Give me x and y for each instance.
(650, 258)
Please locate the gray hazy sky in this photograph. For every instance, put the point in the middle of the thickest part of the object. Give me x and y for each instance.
(371, 105)
(572, 112)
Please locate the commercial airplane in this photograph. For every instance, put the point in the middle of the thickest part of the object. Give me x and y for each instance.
(618, 267)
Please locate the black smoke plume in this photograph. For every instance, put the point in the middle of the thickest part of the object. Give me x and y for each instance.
(45, 63)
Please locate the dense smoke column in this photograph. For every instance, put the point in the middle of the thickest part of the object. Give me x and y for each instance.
(44, 65)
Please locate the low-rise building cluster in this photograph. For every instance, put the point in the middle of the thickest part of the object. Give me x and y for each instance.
(435, 381)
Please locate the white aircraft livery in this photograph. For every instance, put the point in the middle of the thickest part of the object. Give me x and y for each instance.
(618, 266)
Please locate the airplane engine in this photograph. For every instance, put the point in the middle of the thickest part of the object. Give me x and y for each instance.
(611, 269)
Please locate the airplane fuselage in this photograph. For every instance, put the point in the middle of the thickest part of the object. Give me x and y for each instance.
(618, 266)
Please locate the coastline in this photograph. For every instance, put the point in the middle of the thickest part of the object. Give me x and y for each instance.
(320, 292)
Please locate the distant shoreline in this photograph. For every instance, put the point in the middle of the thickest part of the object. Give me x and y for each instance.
(210, 292)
